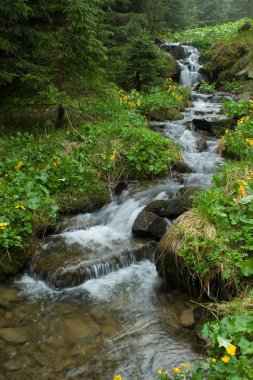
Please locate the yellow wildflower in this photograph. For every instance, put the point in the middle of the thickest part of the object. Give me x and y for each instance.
(56, 161)
(159, 372)
(226, 131)
(112, 157)
(242, 182)
(21, 207)
(250, 141)
(242, 191)
(138, 102)
(131, 104)
(166, 373)
(3, 225)
(117, 377)
(19, 164)
(177, 370)
(231, 350)
(225, 359)
(214, 360)
(185, 365)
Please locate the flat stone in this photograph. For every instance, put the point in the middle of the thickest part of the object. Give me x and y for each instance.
(13, 335)
(186, 318)
(80, 329)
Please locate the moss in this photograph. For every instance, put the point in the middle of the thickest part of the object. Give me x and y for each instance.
(162, 113)
(73, 203)
(228, 58)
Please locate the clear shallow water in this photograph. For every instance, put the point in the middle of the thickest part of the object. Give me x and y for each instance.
(124, 322)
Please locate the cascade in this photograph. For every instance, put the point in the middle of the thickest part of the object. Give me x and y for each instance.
(115, 318)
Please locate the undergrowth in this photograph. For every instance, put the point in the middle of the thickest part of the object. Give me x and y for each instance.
(64, 171)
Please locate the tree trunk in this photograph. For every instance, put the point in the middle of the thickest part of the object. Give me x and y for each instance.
(60, 117)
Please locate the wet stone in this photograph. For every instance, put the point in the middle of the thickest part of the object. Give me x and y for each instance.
(79, 329)
(148, 224)
(187, 318)
(13, 335)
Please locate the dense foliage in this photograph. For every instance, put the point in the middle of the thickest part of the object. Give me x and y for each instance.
(69, 171)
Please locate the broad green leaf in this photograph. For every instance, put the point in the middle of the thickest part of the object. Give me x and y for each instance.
(223, 342)
(245, 346)
(247, 267)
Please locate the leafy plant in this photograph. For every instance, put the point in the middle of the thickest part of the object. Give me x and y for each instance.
(231, 352)
(206, 88)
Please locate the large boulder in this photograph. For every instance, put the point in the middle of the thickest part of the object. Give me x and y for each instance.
(147, 224)
(172, 208)
(215, 125)
(176, 50)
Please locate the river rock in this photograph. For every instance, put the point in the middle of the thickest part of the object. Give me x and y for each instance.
(175, 49)
(80, 329)
(172, 208)
(213, 124)
(62, 265)
(13, 335)
(186, 318)
(202, 144)
(148, 224)
(181, 167)
(122, 185)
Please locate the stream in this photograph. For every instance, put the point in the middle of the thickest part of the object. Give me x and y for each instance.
(122, 319)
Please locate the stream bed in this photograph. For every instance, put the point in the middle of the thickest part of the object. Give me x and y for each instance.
(121, 319)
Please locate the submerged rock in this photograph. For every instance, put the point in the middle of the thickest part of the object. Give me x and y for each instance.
(186, 318)
(13, 335)
(148, 224)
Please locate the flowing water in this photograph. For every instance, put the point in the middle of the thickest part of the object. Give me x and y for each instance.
(121, 320)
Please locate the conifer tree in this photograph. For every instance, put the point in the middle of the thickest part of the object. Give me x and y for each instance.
(56, 46)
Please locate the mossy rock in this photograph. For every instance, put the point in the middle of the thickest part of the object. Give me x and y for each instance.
(227, 61)
(163, 113)
(74, 203)
(174, 265)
